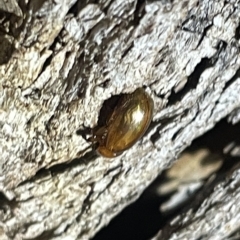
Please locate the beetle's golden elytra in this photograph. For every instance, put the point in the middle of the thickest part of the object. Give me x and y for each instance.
(126, 124)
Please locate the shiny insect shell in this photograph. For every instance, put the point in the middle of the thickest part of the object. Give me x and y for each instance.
(126, 125)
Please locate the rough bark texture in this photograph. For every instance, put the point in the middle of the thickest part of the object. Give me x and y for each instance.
(59, 62)
(213, 215)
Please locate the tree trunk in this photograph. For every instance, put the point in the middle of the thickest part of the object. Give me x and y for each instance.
(61, 60)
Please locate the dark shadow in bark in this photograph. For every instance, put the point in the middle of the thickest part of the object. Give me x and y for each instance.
(142, 220)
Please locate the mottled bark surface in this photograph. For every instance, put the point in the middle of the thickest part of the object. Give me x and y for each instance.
(59, 62)
(214, 213)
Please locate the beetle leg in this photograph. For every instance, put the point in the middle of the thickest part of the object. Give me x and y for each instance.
(99, 135)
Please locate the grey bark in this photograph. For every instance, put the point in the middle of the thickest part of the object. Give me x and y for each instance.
(214, 214)
(61, 60)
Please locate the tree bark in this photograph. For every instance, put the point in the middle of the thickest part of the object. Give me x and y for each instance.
(61, 60)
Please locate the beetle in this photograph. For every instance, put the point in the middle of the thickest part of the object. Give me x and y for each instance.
(125, 125)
